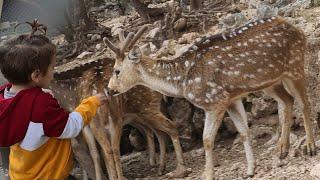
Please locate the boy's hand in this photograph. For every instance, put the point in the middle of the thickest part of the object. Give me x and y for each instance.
(102, 98)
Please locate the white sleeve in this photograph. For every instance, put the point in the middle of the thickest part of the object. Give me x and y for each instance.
(73, 127)
(35, 136)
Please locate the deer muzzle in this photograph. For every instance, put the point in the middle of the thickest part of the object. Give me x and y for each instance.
(111, 92)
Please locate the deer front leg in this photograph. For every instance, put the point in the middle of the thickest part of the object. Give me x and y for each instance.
(115, 144)
(239, 118)
(212, 123)
(105, 143)
(93, 151)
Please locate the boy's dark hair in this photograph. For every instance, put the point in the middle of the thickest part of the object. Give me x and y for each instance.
(22, 55)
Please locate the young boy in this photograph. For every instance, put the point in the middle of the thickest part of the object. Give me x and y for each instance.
(32, 123)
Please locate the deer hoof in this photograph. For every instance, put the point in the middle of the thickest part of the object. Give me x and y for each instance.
(248, 176)
(180, 172)
(310, 149)
(207, 177)
(123, 178)
(250, 173)
(161, 170)
(283, 149)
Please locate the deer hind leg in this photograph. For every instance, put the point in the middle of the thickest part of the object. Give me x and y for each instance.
(80, 151)
(298, 89)
(181, 170)
(162, 159)
(239, 118)
(285, 104)
(212, 123)
(149, 136)
(167, 126)
(87, 133)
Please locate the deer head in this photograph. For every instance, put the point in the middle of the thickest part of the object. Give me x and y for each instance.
(125, 74)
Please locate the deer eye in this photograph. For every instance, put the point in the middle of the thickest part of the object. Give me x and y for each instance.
(132, 56)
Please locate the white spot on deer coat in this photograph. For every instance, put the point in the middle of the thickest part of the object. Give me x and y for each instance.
(211, 84)
(197, 80)
(190, 95)
(186, 63)
(214, 91)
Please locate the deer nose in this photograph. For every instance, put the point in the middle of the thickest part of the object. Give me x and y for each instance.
(112, 92)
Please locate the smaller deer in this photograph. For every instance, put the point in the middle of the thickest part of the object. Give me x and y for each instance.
(214, 72)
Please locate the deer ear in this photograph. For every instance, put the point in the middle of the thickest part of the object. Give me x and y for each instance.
(135, 54)
(146, 49)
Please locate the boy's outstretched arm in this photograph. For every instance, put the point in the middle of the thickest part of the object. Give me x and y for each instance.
(61, 124)
(87, 110)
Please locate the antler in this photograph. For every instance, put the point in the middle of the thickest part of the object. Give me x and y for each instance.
(137, 36)
(112, 46)
(126, 43)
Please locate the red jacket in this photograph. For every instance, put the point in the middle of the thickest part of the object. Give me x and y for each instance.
(29, 105)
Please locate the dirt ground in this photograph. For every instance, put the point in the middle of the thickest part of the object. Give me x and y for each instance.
(232, 162)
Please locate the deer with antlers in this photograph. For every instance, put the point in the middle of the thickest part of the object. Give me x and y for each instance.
(140, 107)
(214, 72)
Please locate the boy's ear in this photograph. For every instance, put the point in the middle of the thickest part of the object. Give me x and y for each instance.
(35, 76)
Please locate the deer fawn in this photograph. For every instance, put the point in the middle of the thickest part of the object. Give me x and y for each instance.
(140, 108)
(216, 71)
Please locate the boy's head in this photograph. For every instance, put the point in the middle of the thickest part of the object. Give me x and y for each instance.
(28, 60)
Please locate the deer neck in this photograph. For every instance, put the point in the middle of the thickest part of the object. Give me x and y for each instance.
(166, 76)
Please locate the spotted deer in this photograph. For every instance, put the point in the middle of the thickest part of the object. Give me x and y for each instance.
(139, 107)
(214, 72)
